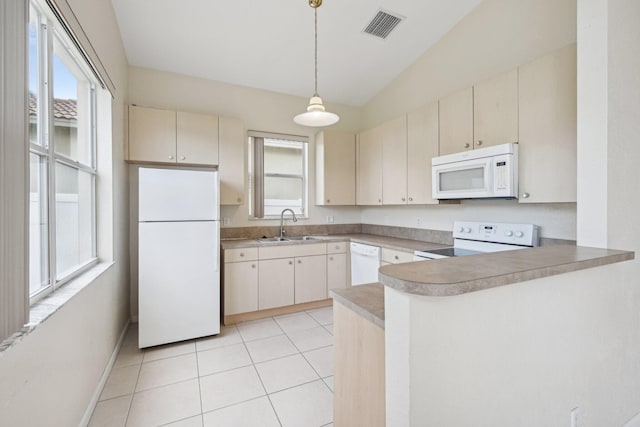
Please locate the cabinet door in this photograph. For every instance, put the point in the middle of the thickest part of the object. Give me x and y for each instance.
(369, 168)
(240, 287)
(275, 283)
(337, 273)
(394, 161)
(422, 146)
(310, 278)
(197, 138)
(456, 122)
(548, 138)
(152, 135)
(495, 110)
(335, 168)
(232, 144)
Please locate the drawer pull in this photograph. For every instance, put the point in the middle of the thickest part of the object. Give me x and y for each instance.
(396, 257)
(241, 254)
(253, 266)
(299, 261)
(290, 262)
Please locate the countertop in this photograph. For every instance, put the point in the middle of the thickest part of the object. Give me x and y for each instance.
(365, 300)
(460, 275)
(406, 245)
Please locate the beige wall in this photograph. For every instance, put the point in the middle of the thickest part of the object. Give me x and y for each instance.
(57, 367)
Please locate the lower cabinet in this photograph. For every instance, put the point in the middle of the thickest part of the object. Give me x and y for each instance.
(261, 278)
(275, 283)
(241, 287)
(392, 256)
(310, 278)
(338, 268)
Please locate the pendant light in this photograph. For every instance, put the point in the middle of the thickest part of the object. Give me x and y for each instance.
(316, 115)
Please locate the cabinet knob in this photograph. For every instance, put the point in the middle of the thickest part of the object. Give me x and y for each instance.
(525, 195)
(170, 157)
(396, 257)
(241, 254)
(253, 266)
(337, 247)
(182, 157)
(239, 199)
(467, 145)
(479, 142)
(379, 200)
(411, 199)
(330, 258)
(404, 199)
(299, 261)
(290, 262)
(328, 200)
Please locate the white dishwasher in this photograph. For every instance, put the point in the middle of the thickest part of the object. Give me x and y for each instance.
(365, 262)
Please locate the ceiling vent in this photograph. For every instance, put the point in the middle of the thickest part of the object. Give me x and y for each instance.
(382, 24)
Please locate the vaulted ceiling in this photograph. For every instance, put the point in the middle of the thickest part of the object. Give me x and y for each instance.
(269, 44)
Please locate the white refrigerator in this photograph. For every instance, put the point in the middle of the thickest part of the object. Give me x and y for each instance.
(178, 255)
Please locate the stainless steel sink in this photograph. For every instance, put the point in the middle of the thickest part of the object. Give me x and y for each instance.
(272, 239)
(285, 239)
(302, 238)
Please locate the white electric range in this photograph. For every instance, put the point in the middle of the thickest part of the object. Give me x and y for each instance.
(471, 238)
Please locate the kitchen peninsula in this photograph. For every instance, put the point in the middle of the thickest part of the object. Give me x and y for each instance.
(469, 340)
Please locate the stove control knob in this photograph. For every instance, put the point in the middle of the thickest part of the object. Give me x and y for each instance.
(519, 234)
(508, 233)
(460, 229)
(467, 230)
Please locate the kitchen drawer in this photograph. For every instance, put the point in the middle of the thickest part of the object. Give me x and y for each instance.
(240, 254)
(393, 256)
(337, 247)
(280, 250)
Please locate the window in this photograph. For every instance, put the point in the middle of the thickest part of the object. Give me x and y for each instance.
(278, 174)
(62, 144)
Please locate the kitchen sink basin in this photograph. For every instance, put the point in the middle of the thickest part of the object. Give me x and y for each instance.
(285, 239)
(272, 239)
(302, 238)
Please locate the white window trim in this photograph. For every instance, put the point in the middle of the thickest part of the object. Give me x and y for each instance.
(256, 163)
(46, 122)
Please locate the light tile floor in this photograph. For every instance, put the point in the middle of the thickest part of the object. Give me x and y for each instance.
(271, 372)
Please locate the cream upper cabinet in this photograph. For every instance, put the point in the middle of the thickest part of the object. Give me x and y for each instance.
(310, 278)
(335, 168)
(152, 135)
(165, 136)
(197, 138)
(369, 168)
(393, 134)
(422, 146)
(275, 283)
(547, 105)
(232, 143)
(456, 122)
(495, 110)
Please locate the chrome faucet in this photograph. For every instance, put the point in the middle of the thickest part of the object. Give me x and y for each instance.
(282, 220)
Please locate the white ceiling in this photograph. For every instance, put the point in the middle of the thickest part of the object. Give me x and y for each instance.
(269, 44)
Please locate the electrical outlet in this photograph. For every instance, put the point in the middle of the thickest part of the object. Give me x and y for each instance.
(226, 221)
(574, 417)
(329, 219)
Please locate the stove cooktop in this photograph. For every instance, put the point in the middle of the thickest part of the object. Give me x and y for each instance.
(449, 252)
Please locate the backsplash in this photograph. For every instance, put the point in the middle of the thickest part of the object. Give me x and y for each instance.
(420, 234)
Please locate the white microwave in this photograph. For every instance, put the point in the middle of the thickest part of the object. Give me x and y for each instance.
(485, 173)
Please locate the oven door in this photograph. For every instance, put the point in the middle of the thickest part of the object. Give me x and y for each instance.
(466, 179)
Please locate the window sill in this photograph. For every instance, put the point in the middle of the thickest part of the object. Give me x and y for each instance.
(43, 309)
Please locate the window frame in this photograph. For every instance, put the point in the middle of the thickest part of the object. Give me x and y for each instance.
(257, 173)
(48, 33)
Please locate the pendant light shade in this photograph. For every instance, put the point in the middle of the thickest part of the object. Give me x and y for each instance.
(316, 115)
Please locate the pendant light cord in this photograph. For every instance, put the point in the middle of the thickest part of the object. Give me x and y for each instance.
(315, 18)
